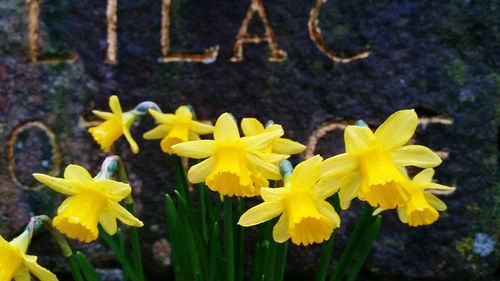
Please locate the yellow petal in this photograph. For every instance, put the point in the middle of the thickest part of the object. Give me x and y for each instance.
(415, 155)
(338, 164)
(351, 190)
(195, 149)
(103, 114)
(123, 215)
(286, 146)
(166, 119)
(22, 241)
(41, 273)
(357, 139)
(114, 104)
(307, 173)
(108, 221)
(57, 184)
(437, 186)
(258, 166)
(131, 141)
(78, 174)
(199, 172)
(114, 190)
(397, 129)
(201, 128)
(261, 141)
(261, 213)
(22, 274)
(402, 214)
(272, 194)
(226, 128)
(280, 230)
(435, 202)
(328, 186)
(328, 211)
(423, 178)
(157, 133)
(251, 127)
(271, 157)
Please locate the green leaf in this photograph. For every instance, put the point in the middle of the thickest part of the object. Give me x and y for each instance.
(87, 268)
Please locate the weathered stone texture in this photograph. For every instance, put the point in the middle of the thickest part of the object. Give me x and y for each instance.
(440, 57)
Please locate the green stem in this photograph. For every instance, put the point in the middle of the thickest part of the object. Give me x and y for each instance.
(229, 239)
(181, 180)
(240, 235)
(365, 248)
(326, 253)
(281, 261)
(353, 242)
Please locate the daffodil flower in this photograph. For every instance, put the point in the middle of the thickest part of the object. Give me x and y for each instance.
(306, 217)
(176, 128)
(116, 124)
(16, 264)
(423, 207)
(91, 201)
(252, 127)
(233, 161)
(371, 166)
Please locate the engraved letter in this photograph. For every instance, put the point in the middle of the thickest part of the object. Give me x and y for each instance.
(315, 34)
(208, 56)
(243, 37)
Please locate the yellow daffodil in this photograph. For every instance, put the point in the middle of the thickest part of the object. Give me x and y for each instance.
(91, 201)
(423, 207)
(306, 217)
(252, 127)
(16, 264)
(233, 161)
(117, 123)
(371, 166)
(176, 128)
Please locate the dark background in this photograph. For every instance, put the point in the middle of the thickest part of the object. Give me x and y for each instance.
(439, 57)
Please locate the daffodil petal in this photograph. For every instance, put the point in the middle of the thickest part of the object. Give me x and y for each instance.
(261, 213)
(114, 104)
(201, 128)
(265, 169)
(157, 133)
(195, 149)
(423, 178)
(272, 194)
(415, 155)
(397, 129)
(437, 186)
(115, 190)
(166, 119)
(377, 211)
(402, 214)
(226, 128)
(271, 157)
(57, 184)
(131, 141)
(338, 164)
(307, 173)
(77, 173)
(261, 141)
(251, 127)
(123, 215)
(357, 139)
(103, 114)
(287, 146)
(351, 190)
(108, 221)
(41, 273)
(280, 230)
(328, 211)
(199, 172)
(328, 186)
(22, 274)
(435, 202)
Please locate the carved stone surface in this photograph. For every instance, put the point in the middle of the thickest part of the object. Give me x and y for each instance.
(440, 58)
